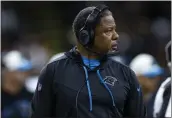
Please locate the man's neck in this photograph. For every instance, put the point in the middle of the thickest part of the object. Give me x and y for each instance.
(87, 54)
(84, 52)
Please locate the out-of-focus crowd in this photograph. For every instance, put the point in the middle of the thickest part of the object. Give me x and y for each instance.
(34, 33)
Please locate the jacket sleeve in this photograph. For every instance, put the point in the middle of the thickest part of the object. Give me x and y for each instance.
(134, 106)
(42, 102)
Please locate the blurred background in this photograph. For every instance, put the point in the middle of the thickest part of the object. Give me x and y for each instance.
(33, 32)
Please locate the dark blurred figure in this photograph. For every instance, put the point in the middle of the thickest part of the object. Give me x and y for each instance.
(162, 102)
(15, 97)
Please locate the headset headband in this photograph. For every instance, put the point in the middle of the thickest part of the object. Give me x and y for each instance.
(92, 18)
(86, 34)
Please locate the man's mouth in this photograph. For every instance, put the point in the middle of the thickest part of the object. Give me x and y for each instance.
(114, 46)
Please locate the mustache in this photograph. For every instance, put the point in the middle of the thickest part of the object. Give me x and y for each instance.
(115, 41)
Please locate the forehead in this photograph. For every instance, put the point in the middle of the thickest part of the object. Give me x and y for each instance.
(107, 21)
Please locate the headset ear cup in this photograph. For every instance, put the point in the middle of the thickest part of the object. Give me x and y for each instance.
(84, 37)
(92, 36)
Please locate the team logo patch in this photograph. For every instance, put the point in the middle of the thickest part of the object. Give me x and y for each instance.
(39, 87)
(110, 80)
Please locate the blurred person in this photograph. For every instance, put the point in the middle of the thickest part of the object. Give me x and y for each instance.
(162, 102)
(15, 97)
(149, 74)
(84, 82)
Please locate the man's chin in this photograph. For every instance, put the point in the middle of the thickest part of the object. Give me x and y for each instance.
(113, 52)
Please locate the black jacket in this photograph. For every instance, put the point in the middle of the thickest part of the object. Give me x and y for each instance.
(68, 88)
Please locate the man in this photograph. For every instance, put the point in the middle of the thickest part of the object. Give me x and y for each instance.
(15, 97)
(162, 102)
(84, 82)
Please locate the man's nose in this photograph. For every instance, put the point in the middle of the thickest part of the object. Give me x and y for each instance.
(115, 36)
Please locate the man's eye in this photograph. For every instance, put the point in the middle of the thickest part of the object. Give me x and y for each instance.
(108, 32)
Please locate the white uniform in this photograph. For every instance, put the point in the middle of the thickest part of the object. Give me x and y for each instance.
(159, 100)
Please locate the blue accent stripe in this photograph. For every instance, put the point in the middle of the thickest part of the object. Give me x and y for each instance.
(91, 63)
(98, 73)
(88, 87)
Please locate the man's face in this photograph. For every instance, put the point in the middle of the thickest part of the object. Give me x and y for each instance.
(16, 76)
(106, 35)
(148, 84)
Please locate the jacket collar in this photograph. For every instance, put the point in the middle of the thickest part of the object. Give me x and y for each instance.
(76, 56)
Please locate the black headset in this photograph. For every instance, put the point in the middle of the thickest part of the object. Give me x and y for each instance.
(86, 33)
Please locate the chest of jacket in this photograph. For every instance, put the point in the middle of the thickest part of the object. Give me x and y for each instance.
(71, 80)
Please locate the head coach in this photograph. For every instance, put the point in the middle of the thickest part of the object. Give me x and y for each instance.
(85, 82)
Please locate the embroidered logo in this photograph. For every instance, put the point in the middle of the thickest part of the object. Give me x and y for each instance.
(39, 87)
(110, 80)
(138, 89)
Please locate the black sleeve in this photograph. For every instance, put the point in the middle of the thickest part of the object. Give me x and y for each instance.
(42, 102)
(134, 106)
